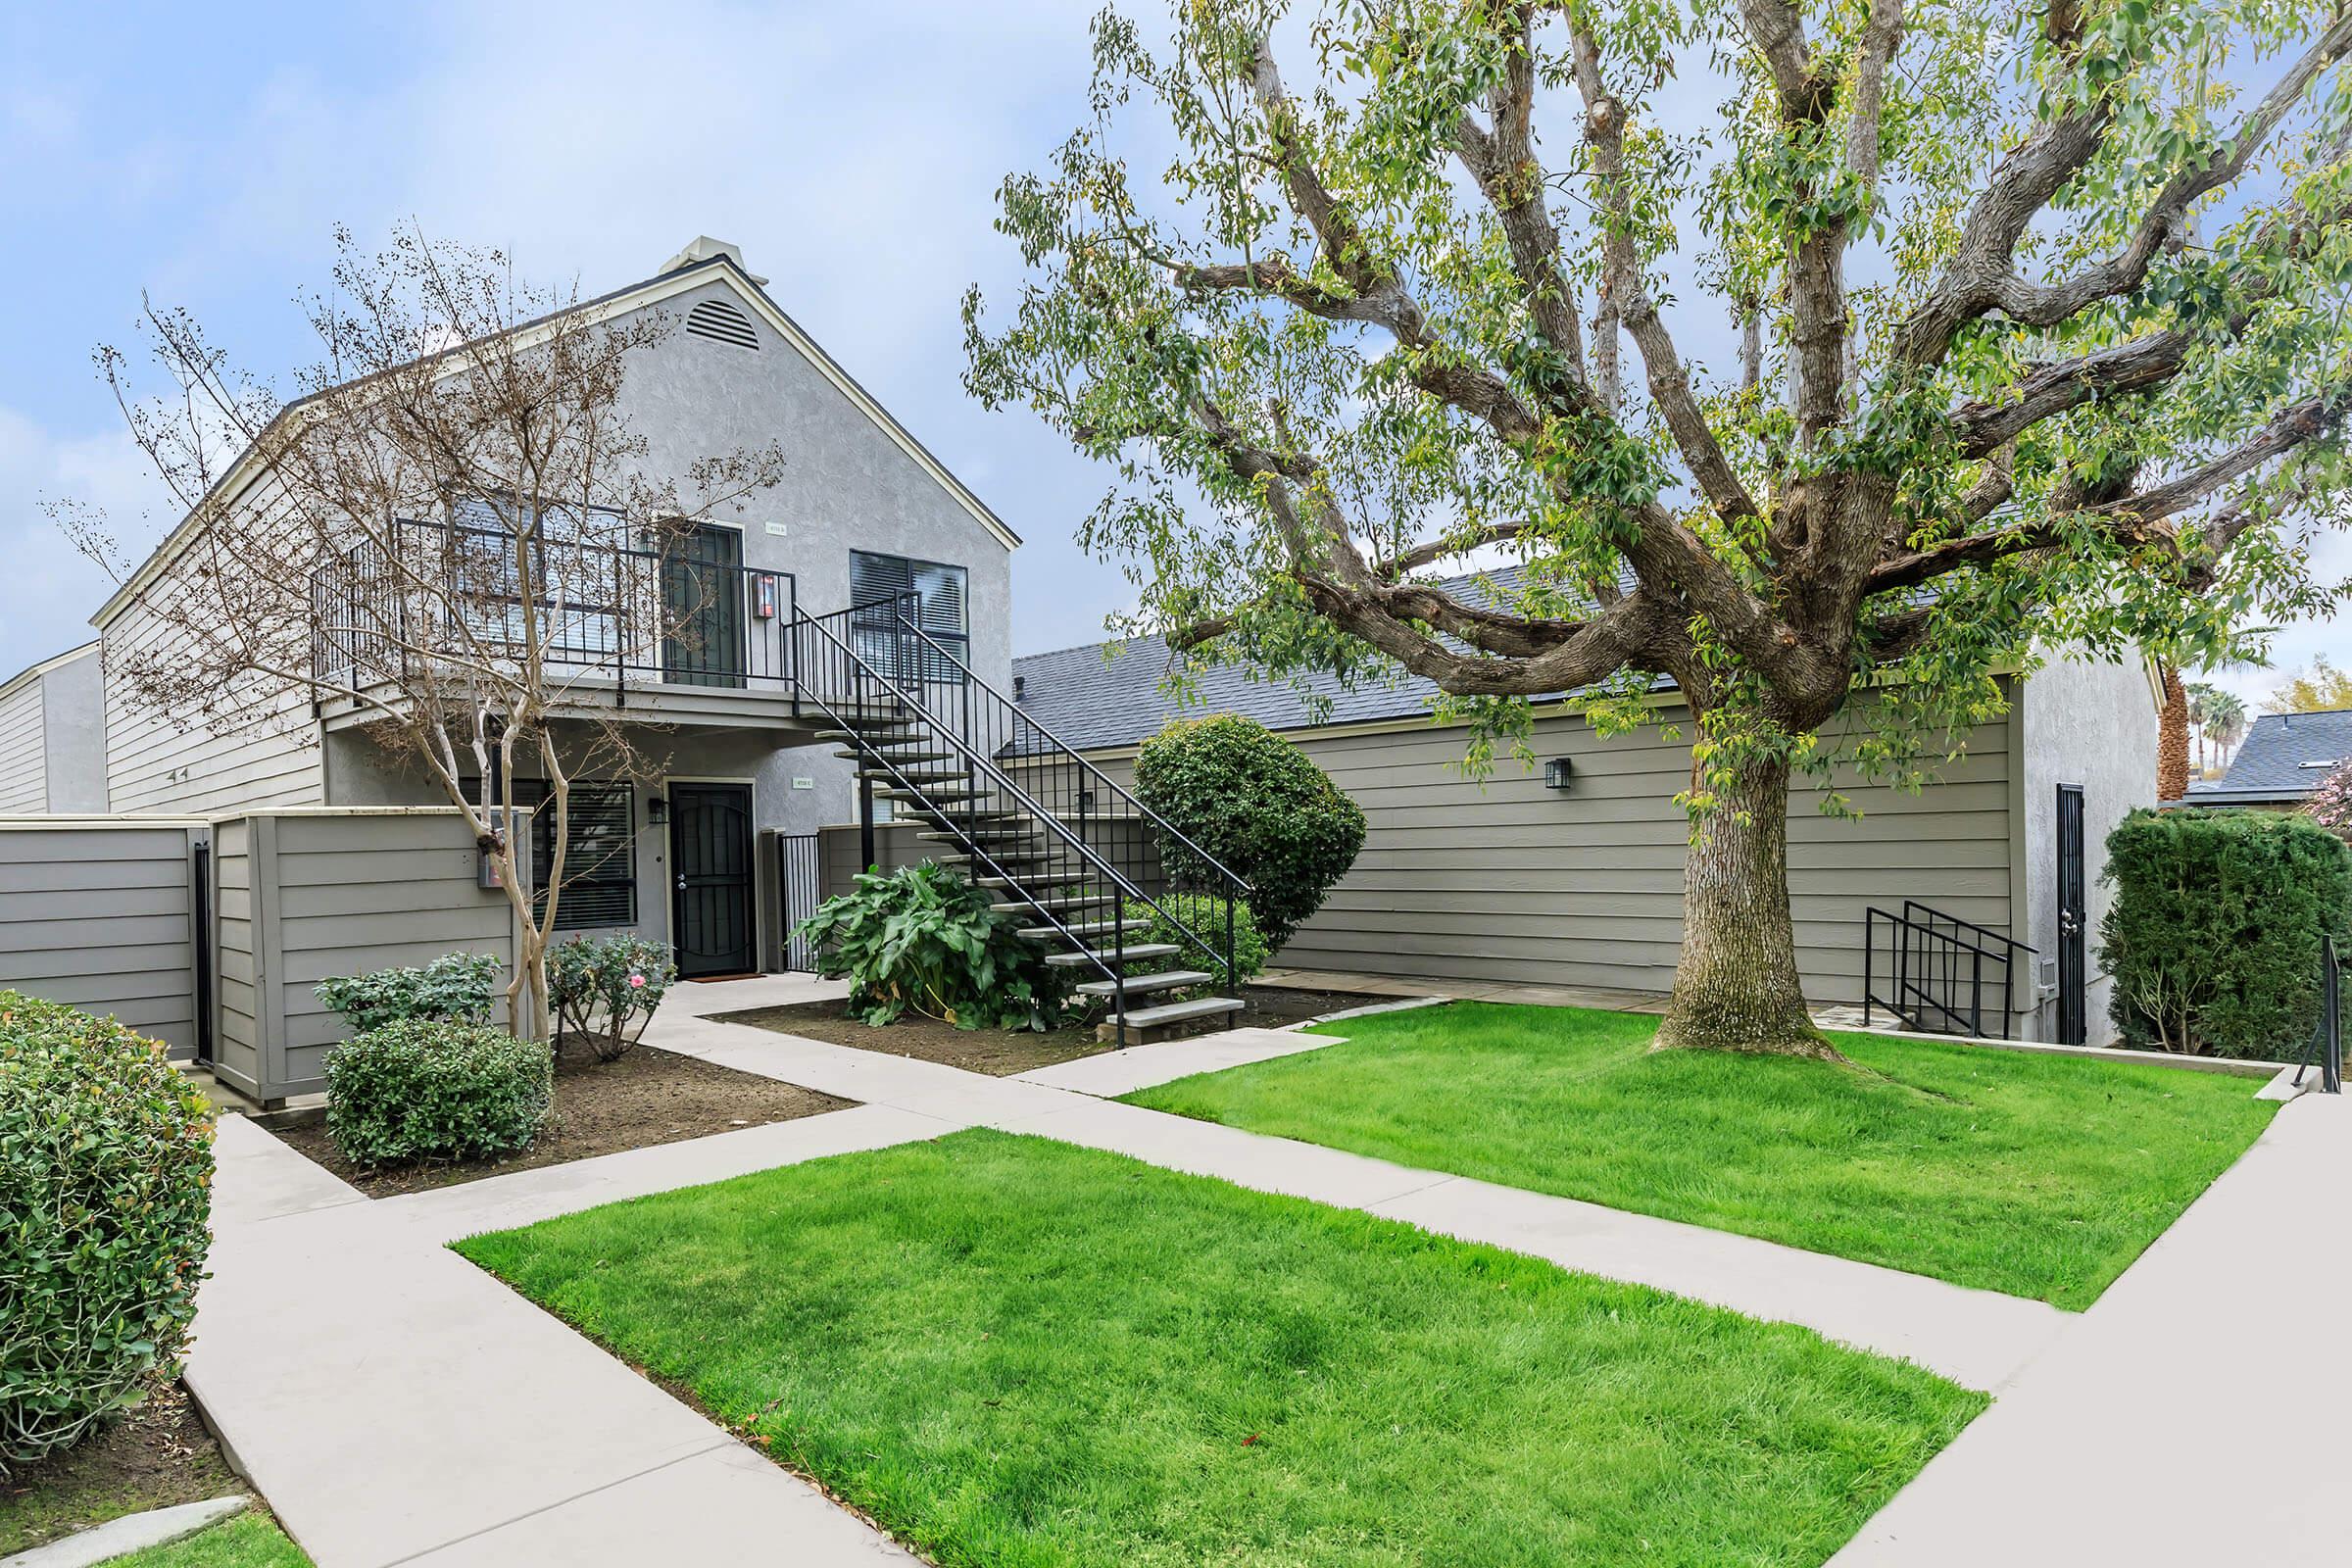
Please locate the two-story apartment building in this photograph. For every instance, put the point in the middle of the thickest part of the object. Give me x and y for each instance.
(727, 747)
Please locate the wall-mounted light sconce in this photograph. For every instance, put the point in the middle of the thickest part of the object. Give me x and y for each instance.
(656, 810)
(1557, 773)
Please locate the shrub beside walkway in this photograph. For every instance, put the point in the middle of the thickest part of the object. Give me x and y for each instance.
(395, 1404)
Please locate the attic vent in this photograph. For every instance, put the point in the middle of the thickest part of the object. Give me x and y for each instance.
(721, 323)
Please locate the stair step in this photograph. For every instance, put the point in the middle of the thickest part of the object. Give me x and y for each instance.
(920, 777)
(1055, 879)
(1057, 902)
(1005, 850)
(1141, 950)
(935, 796)
(880, 733)
(1084, 931)
(896, 755)
(1137, 985)
(1168, 1012)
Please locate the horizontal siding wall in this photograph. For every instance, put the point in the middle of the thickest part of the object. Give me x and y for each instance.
(839, 849)
(1510, 882)
(24, 757)
(102, 918)
(261, 751)
(344, 893)
(1518, 883)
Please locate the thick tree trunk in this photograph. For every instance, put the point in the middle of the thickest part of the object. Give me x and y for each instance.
(1736, 986)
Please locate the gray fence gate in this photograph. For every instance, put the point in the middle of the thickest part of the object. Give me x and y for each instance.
(213, 936)
(103, 913)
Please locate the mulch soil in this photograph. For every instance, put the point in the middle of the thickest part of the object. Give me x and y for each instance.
(155, 1456)
(648, 1096)
(1001, 1052)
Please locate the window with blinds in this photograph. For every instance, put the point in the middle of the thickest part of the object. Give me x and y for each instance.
(931, 594)
(578, 573)
(600, 859)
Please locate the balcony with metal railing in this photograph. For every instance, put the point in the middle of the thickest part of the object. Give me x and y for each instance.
(664, 631)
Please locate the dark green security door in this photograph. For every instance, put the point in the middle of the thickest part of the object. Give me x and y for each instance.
(702, 602)
(711, 877)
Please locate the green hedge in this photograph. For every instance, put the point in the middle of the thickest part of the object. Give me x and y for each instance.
(2214, 935)
(1205, 916)
(457, 986)
(106, 1167)
(1257, 804)
(425, 1088)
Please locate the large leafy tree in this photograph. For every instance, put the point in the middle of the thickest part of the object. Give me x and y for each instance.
(2039, 328)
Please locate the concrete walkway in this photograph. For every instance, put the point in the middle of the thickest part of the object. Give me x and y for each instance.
(396, 1406)
(2200, 1415)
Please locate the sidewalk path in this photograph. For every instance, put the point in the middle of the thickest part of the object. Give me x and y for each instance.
(396, 1406)
(2199, 1416)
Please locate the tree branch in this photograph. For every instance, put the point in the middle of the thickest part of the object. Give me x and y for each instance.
(2048, 304)
(1622, 286)
(2131, 518)
(1982, 276)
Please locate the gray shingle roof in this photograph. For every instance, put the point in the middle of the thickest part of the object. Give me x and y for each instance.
(2282, 755)
(1091, 700)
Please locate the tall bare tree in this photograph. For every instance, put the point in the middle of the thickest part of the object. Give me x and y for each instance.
(1990, 396)
(449, 534)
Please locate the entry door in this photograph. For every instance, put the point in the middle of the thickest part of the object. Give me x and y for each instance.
(2074, 914)
(702, 605)
(710, 874)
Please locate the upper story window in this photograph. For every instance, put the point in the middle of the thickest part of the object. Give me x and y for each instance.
(580, 574)
(929, 593)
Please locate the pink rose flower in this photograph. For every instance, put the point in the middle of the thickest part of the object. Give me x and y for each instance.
(636, 980)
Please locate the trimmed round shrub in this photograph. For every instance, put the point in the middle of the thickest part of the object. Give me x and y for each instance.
(1205, 916)
(425, 1088)
(1259, 807)
(457, 986)
(106, 1168)
(2213, 937)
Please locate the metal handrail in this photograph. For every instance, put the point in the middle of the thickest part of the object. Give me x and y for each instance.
(1985, 932)
(1159, 823)
(2327, 1048)
(972, 846)
(984, 764)
(368, 580)
(1913, 999)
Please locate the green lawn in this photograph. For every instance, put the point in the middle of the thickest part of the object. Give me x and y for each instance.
(249, 1540)
(1016, 1353)
(2041, 1176)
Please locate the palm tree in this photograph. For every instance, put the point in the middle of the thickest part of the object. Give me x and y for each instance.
(2200, 716)
(2172, 739)
(2225, 722)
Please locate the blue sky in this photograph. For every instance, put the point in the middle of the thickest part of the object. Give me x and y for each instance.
(203, 155)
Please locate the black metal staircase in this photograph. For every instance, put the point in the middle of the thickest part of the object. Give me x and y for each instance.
(1058, 844)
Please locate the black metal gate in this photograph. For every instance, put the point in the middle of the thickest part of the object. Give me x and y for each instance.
(199, 947)
(800, 882)
(2074, 914)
